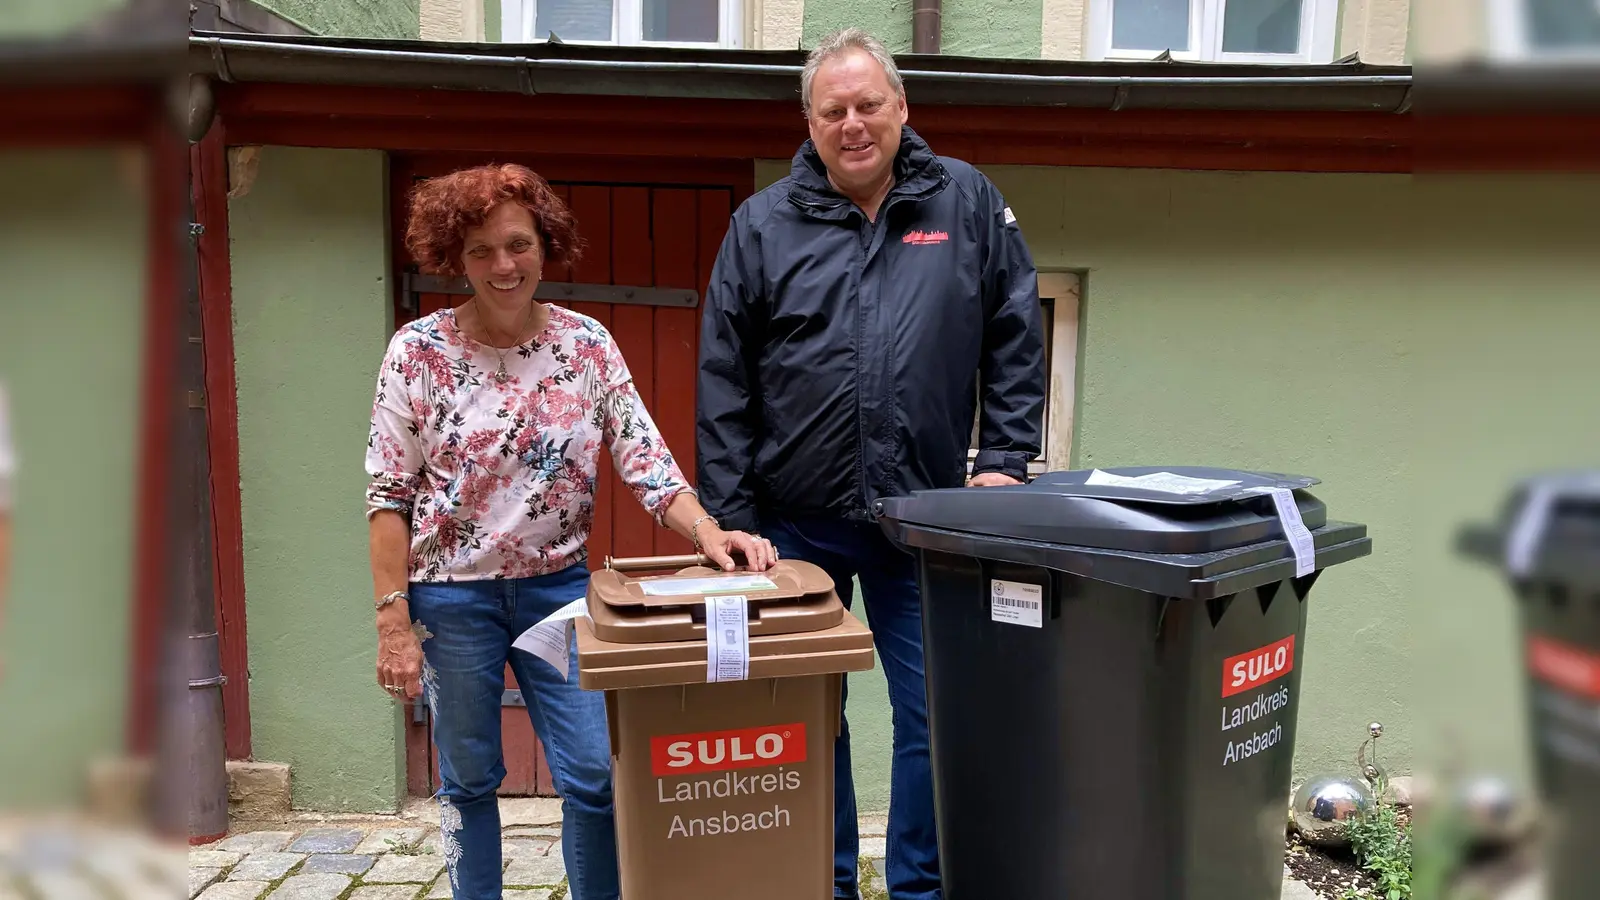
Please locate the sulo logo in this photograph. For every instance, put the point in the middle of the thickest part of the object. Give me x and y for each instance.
(1564, 666)
(717, 751)
(1257, 667)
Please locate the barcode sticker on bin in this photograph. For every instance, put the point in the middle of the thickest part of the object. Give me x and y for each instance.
(1016, 603)
(1300, 540)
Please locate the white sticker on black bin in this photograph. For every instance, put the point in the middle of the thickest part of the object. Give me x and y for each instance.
(727, 638)
(1017, 603)
(1294, 528)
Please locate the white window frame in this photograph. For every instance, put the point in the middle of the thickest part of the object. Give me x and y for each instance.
(1508, 38)
(1319, 29)
(627, 26)
(1064, 292)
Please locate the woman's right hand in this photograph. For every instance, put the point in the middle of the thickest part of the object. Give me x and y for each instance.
(400, 661)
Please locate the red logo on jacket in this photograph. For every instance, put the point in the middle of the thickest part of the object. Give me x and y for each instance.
(925, 237)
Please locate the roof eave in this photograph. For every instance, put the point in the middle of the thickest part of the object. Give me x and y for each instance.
(774, 75)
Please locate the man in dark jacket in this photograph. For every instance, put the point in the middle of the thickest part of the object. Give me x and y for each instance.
(861, 313)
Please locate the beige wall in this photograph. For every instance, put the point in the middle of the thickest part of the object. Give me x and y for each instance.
(452, 20)
(773, 24)
(1377, 29)
(1065, 22)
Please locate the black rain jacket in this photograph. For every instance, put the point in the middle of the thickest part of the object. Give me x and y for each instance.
(843, 360)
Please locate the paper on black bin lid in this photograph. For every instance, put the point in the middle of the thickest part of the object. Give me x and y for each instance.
(1171, 484)
(1146, 509)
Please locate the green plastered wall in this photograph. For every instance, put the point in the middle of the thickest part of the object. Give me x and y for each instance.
(72, 245)
(1508, 367)
(1260, 321)
(353, 18)
(52, 18)
(989, 28)
(887, 20)
(311, 320)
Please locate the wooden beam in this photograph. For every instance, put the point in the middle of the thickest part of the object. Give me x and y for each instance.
(608, 128)
(63, 116)
(1511, 142)
(247, 101)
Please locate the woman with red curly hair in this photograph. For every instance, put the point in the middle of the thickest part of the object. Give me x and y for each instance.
(483, 454)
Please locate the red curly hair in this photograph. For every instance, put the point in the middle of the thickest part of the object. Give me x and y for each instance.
(443, 208)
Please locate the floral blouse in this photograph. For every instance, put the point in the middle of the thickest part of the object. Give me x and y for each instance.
(499, 478)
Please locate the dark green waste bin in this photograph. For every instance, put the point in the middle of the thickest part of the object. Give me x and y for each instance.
(1113, 666)
(1547, 544)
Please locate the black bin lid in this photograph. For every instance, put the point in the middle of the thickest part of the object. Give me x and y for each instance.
(1139, 509)
(1548, 529)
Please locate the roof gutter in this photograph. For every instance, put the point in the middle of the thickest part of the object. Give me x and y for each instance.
(253, 60)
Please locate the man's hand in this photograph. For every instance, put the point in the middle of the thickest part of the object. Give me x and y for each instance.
(991, 479)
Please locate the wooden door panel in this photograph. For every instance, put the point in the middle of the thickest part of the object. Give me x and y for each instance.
(633, 532)
(641, 236)
(673, 221)
(591, 205)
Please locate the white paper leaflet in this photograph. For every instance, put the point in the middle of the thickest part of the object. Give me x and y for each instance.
(727, 638)
(1294, 528)
(1164, 482)
(680, 587)
(1017, 603)
(549, 639)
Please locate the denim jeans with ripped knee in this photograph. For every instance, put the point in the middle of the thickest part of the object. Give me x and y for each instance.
(471, 626)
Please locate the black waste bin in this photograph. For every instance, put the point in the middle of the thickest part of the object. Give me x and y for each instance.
(1113, 674)
(1547, 543)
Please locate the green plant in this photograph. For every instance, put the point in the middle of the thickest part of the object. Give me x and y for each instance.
(403, 849)
(1382, 845)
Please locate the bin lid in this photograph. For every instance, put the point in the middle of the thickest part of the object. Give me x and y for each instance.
(1142, 509)
(1548, 528)
(792, 596)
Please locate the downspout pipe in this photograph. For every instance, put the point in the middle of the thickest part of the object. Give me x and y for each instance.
(926, 26)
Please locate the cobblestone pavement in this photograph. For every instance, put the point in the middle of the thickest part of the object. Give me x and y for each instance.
(375, 858)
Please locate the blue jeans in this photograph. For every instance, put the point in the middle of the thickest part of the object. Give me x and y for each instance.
(473, 624)
(894, 612)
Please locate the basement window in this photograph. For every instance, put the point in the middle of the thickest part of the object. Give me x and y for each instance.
(1231, 31)
(1539, 31)
(633, 23)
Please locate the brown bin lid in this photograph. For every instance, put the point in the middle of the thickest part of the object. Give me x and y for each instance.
(605, 665)
(792, 596)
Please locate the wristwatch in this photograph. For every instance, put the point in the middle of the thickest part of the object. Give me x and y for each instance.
(391, 597)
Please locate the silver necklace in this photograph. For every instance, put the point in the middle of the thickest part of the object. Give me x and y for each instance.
(502, 375)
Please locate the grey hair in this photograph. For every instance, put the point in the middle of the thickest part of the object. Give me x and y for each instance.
(838, 43)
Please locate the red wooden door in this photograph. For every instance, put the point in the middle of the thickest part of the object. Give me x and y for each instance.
(639, 236)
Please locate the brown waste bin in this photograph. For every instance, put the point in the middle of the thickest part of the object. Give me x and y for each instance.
(723, 788)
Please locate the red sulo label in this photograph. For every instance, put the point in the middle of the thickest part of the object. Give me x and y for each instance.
(718, 751)
(1257, 667)
(1564, 666)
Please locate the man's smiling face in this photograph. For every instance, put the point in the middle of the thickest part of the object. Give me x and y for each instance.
(855, 121)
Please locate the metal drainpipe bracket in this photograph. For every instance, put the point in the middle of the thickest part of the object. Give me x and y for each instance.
(525, 76)
(1405, 101)
(220, 57)
(1120, 98)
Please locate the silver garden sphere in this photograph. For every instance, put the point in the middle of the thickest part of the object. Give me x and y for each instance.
(1324, 805)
